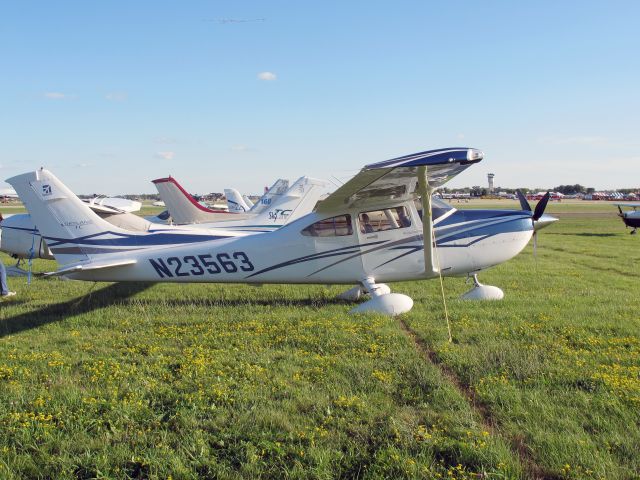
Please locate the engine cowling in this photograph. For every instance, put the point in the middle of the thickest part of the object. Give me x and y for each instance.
(20, 238)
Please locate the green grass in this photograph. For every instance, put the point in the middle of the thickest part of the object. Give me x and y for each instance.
(215, 381)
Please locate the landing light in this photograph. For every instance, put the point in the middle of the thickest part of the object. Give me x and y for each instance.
(474, 155)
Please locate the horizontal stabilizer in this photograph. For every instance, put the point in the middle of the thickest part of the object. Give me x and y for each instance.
(90, 266)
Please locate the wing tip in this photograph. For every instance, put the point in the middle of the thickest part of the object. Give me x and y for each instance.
(441, 156)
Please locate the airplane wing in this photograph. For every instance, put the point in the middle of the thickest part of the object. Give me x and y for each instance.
(397, 179)
(627, 204)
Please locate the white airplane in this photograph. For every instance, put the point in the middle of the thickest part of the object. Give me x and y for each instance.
(366, 232)
(186, 210)
(631, 218)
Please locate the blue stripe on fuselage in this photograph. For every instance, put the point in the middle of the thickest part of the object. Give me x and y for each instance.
(126, 240)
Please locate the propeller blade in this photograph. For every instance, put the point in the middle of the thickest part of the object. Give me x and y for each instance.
(523, 201)
(542, 204)
(621, 214)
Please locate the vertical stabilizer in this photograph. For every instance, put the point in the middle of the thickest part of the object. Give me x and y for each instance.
(235, 201)
(183, 208)
(247, 201)
(299, 200)
(70, 228)
(271, 196)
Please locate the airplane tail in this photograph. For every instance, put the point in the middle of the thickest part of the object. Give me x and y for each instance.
(299, 200)
(183, 208)
(277, 190)
(247, 201)
(235, 201)
(72, 231)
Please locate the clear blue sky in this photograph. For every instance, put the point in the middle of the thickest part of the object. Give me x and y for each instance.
(110, 95)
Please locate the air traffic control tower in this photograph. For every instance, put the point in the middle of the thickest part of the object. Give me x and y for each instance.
(490, 178)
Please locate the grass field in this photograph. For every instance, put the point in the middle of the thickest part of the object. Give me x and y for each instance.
(214, 381)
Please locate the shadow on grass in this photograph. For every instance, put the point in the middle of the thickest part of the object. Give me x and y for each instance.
(93, 300)
(584, 234)
(245, 302)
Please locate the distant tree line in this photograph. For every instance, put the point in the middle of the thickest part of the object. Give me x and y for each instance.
(573, 189)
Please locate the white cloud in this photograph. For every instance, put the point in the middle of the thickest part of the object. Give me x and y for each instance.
(58, 96)
(116, 96)
(240, 148)
(267, 76)
(82, 165)
(460, 136)
(165, 155)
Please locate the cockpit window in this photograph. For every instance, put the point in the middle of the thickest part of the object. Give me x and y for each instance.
(388, 219)
(339, 226)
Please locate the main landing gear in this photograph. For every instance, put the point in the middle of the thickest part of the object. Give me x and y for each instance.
(382, 300)
(482, 292)
(16, 270)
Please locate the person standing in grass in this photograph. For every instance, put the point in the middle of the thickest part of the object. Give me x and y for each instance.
(4, 288)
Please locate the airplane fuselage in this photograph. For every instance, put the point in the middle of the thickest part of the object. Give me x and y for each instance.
(632, 219)
(467, 241)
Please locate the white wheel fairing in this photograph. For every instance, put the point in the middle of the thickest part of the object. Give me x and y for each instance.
(391, 304)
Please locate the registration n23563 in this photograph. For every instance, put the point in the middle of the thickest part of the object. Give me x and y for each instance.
(196, 265)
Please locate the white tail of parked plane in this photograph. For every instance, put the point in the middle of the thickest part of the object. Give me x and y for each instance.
(235, 201)
(247, 201)
(184, 209)
(279, 188)
(66, 218)
(299, 200)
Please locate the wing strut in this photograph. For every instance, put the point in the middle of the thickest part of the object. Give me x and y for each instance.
(425, 190)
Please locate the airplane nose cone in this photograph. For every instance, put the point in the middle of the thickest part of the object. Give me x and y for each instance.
(544, 221)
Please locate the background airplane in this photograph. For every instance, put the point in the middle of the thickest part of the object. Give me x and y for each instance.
(278, 206)
(631, 218)
(242, 204)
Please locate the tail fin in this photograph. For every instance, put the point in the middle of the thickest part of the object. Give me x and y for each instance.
(247, 201)
(70, 228)
(184, 209)
(235, 201)
(272, 195)
(299, 200)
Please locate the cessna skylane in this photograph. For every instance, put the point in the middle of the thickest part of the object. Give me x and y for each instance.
(631, 218)
(366, 232)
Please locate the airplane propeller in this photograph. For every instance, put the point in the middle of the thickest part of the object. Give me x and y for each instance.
(540, 207)
(536, 215)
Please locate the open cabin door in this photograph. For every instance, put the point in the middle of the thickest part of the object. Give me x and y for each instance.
(390, 241)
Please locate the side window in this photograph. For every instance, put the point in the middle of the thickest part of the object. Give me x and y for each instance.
(379, 220)
(330, 227)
